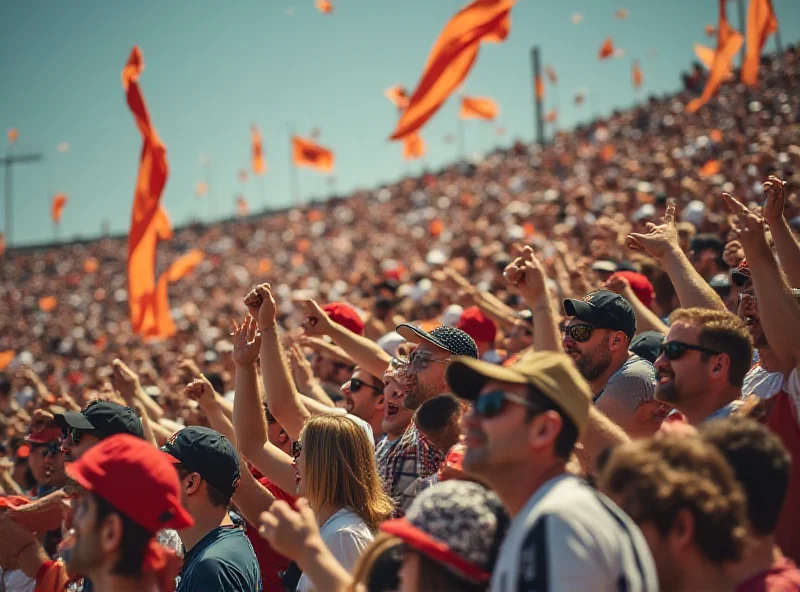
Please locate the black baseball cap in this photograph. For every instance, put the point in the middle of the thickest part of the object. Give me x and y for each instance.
(647, 345)
(207, 452)
(105, 417)
(604, 309)
(456, 341)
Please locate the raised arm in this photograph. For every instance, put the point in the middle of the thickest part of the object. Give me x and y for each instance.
(527, 275)
(785, 243)
(304, 378)
(600, 433)
(127, 383)
(661, 242)
(365, 352)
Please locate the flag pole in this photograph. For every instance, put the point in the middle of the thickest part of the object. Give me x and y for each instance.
(294, 181)
(537, 102)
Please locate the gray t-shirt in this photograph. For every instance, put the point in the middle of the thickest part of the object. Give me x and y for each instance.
(571, 537)
(633, 384)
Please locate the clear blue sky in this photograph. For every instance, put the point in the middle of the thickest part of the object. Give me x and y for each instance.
(213, 67)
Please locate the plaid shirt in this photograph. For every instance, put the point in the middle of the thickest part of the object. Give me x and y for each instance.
(405, 463)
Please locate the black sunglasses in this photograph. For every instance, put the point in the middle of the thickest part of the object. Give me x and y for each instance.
(49, 449)
(675, 349)
(356, 384)
(297, 448)
(491, 404)
(579, 333)
(76, 434)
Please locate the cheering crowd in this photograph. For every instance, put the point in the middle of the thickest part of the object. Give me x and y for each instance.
(562, 368)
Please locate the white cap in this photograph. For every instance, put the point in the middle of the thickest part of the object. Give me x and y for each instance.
(451, 315)
(645, 211)
(695, 212)
(390, 342)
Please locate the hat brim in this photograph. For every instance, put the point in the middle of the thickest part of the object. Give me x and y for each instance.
(73, 419)
(578, 308)
(437, 550)
(467, 376)
(75, 472)
(416, 335)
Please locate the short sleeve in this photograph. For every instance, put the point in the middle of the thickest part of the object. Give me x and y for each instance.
(212, 576)
(631, 386)
(347, 546)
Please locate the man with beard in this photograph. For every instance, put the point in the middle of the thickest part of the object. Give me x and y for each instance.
(702, 363)
(597, 337)
(128, 491)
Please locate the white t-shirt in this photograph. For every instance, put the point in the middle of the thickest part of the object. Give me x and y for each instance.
(761, 382)
(569, 537)
(346, 535)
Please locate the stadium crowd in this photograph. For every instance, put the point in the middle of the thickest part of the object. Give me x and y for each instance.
(570, 367)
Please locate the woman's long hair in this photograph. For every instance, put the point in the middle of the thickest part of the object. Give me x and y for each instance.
(340, 469)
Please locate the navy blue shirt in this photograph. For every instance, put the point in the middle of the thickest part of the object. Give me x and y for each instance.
(223, 561)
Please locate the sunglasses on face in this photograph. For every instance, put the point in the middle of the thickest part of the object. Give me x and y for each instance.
(356, 384)
(76, 434)
(297, 448)
(491, 404)
(579, 333)
(674, 350)
(421, 360)
(45, 450)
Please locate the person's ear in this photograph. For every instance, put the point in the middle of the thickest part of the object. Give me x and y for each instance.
(193, 483)
(111, 532)
(721, 366)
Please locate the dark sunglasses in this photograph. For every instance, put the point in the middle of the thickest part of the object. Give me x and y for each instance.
(356, 384)
(675, 349)
(491, 404)
(49, 449)
(297, 448)
(76, 434)
(579, 333)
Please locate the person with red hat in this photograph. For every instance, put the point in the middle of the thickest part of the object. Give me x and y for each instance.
(46, 459)
(483, 330)
(128, 491)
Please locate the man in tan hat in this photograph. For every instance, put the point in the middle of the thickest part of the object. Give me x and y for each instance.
(525, 421)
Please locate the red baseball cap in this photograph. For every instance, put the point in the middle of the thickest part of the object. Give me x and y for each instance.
(477, 325)
(640, 285)
(136, 478)
(45, 436)
(346, 316)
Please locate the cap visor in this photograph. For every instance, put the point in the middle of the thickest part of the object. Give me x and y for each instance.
(417, 335)
(75, 472)
(467, 376)
(173, 459)
(578, 308)
(73, 419)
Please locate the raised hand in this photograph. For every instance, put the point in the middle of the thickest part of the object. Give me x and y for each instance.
(301, 369)
(246, 343)
(733, 253)
(200, 390)
(775, 190)
(261, 304)
(189, 370)
(618, 285)
(125, 380)
(749, 226)
(527, 275)
(315, 320)
(660, 238)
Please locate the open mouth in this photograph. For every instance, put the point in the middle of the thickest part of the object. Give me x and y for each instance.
(391, 409)
(665, 376)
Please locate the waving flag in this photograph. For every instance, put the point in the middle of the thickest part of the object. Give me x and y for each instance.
(478, 108)
(761, 23)
(306, 153)
(324, 6)
(706, 57)
(259, 166)
(729, 40)
(164, 326)
(57, 207)
(607, 49)
(452, 57)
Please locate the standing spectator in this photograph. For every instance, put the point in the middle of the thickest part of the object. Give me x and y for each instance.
(564, 536)
(685, 498)
(218, 554)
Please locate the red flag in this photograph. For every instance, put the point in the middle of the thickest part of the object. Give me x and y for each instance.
(452, 57)
(164, 326)
(57, 207)
(324, 6)
(761, 23)
(729, 40)
(551, 75)
(551, 116)
(259, 166)
(607, 49)
(398, 95)
(13, 134)
(148, 221)
(310, 154)
(638, 79)
(413, 147)
(478, 108)
(242, 209)
(539, 87)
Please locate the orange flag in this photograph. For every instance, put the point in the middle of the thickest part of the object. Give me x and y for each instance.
(242, 208)
(551, 75)
(398, 95)
(310, 154)
(538, 85)
(607, 49)
(57, 207)
(761, 23)
(201, 189)
(13, 134)
(478, 108)
(452, 57)
(259, 166)
(706, 57)
(148, 221)
(324, 6)
(413, 146)
(638, 79)
(551, 116)
(729, 40)
(709, 169)
(164, 326)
